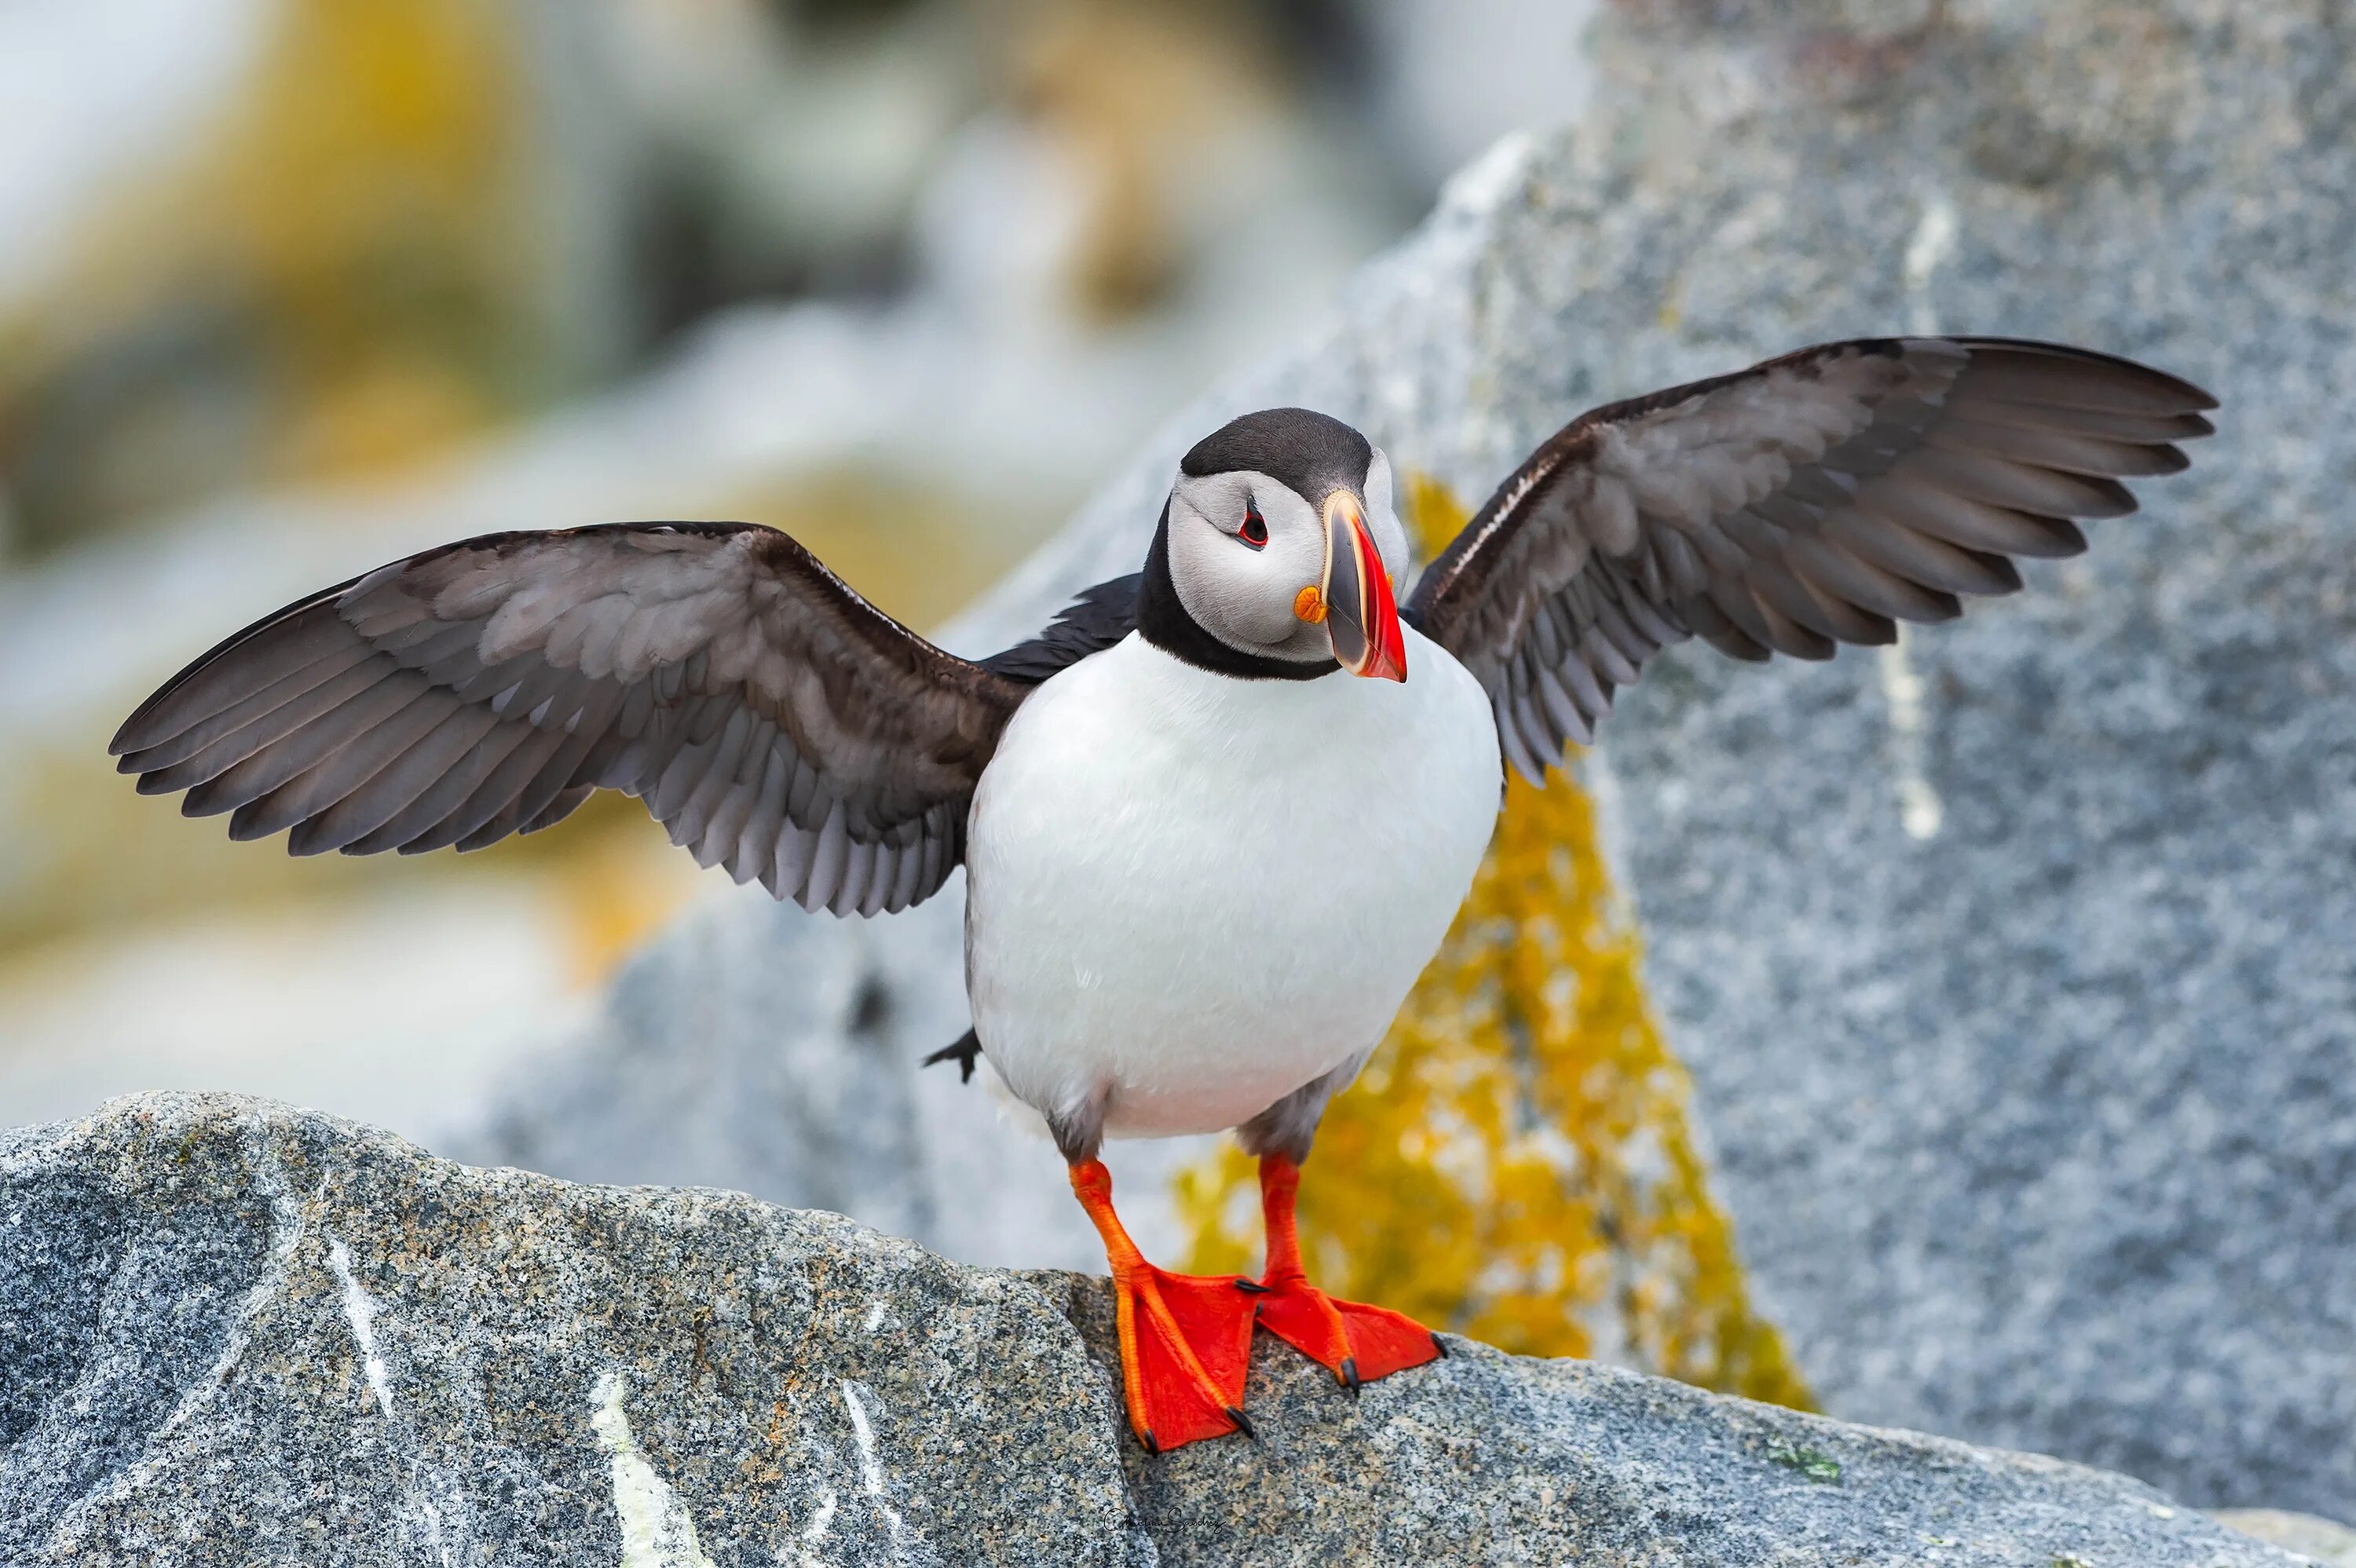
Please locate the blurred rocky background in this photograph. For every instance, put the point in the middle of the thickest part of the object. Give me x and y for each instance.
(2012, 968)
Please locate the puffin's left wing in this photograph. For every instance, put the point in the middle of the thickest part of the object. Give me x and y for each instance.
(1812, 500)
(775, 721)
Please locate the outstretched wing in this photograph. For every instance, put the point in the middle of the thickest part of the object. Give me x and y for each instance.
(774, 721)
(1809, 501)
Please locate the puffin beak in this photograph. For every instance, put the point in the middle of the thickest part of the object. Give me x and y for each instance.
(1360, 615)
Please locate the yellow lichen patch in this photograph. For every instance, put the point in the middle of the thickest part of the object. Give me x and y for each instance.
(1516, 1164)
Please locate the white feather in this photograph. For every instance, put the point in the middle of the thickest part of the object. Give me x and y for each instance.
(1199, 893)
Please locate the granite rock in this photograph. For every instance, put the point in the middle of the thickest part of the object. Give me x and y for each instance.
(2014, 967)
(2321, 1540)
(240, 1333)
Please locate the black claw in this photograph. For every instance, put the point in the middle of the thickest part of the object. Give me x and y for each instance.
(1250, 1286)
(1243, 1424)
(1439, 1345)
(964, 1052)
(1350, 1375)
(1151, 1447)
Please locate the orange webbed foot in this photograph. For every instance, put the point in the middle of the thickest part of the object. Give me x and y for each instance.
(1185, 1340)
(1357, 1342)
(1186, 1344)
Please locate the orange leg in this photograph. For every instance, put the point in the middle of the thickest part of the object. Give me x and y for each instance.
(1360, 1343)
(1185, 1340)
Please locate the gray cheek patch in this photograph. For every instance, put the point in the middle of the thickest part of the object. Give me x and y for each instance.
(1241, 596)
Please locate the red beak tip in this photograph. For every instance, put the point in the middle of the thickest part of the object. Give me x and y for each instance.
(1389, 660)
(1368, 606)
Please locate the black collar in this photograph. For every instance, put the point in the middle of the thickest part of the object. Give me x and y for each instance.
(1163, 620)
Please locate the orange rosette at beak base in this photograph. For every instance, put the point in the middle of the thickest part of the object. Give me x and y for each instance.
(1361, 615)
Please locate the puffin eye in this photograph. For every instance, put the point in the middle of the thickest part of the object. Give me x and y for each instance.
(1255, 530)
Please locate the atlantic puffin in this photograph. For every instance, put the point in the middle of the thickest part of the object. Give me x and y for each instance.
(1217, 818)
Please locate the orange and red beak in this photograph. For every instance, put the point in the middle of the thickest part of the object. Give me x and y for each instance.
(1361, 615)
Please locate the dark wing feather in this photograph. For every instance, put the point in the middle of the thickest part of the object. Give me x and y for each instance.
(1809, 501)
(774, 721)
(1099, 617)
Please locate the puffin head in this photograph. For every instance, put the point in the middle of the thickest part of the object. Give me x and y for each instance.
(1280, 547)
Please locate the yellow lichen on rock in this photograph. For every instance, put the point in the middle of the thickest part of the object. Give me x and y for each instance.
(1516, 1164)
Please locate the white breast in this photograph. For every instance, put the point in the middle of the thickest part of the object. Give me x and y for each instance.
(1198, 893)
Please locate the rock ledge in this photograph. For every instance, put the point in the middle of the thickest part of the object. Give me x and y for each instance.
(231, 1331)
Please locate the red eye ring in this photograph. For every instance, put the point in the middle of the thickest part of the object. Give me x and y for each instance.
(1255, 530)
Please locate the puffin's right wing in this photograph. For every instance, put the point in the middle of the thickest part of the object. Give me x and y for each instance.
(1811, 500)
(775, 721)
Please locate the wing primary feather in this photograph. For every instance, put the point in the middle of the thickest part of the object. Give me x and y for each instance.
(514, 769)
(1859, 581)
(303, 800)
(538, 792)
(827, 861)
(2006, 482)
(445, 794)
(795, 846)
(366, 819)
(936, 846)
(1631, 645)
(1605, 655)
(1577, 678)
(2107, 424)
(694, 812)
(2061, 450)
(1883, 536)
(883, 874)
(1711, 625)
(1986, 527)
(264, 700)
(723, 831)
(858, 866)
(804, 805)
(2071, 378)
(1517, 751)
(287, 639)
(566, 802)
(382, 771)
(1560, 707)
(907, 888)
(757, 841)
(1786, 635)
(273, 764)
(1732, 598)
(559, 773)
(266, 729)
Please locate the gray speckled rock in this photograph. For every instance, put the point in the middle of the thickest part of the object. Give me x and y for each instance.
(259, 1334)
(2321, 1540)
(239, 1333)
(2016, 973)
